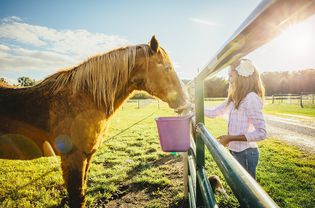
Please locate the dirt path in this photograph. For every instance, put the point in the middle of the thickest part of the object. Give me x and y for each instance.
(293, 130)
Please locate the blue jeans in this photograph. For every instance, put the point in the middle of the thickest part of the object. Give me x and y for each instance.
(248, 158)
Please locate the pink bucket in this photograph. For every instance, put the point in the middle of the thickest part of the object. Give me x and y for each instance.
(174, 133)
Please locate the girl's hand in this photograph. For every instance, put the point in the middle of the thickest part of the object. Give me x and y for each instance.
(224, 140)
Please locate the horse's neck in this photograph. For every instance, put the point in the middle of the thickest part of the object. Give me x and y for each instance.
(132, 85)
(122, 95)
(113, 86)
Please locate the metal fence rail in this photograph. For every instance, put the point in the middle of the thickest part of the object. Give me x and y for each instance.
(241, 183)
(302, 99)
(262, 25)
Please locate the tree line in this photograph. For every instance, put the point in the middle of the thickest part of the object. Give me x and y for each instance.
(289, 82)
(23, 81)
(285, 82)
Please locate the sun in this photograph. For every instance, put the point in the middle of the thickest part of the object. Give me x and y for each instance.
(297, 40)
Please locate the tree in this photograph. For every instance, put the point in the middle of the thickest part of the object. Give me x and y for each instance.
(26, 81)
(216, 87)
(285, 82)
(3, 81)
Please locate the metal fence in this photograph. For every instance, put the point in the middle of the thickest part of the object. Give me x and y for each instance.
(262, 25)
(301, 99)
(292, 99)
(141, 103)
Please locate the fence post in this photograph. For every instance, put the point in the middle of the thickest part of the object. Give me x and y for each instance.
(200, 147)
(185, 161)
(282, 98)
(273, 99)
(301, 100)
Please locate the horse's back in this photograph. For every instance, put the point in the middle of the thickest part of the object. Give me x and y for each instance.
(23, 122)
(24, 105)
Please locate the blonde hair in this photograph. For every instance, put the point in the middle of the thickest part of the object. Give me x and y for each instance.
(102, 75)
(241, 86)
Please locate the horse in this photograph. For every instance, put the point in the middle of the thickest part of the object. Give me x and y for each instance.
(68, 112)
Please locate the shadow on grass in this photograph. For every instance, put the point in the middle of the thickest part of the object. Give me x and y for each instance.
(12, 193)
(136, 187)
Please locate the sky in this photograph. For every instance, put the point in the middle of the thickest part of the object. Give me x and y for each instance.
(39, 38)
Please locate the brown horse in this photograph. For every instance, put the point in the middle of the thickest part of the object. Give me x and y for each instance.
(69, 111)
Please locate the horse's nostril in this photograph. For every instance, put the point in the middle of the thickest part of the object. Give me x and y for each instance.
(179, 111)
(184, 109)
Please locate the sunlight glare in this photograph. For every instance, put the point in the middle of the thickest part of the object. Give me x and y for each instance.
(297, 40)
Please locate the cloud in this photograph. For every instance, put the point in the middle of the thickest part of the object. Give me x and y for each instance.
(4, 48)
(19, 59)
(11, 18)
(205, 22)
(21, 32)
(25, 46)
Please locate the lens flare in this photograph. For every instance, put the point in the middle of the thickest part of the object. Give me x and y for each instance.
(63, 143)
(16, 146)
(172, 95)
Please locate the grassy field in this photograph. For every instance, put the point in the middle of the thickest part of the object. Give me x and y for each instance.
(285, 172)
(130, 170)
(281, 109)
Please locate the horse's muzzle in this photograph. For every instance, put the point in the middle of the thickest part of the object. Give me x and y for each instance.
(184, 109)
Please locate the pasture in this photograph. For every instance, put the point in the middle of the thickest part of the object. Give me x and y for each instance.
(283, 109)
(279, 109)
(130, 170)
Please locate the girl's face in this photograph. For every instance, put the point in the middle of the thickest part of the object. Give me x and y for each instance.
(232, 75)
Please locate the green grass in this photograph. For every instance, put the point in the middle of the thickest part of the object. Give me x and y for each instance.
(33, 183)
(130, 162)
(131, 168)
(281, 109)
(286, 173)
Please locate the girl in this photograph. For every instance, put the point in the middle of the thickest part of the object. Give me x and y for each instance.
(246, 123)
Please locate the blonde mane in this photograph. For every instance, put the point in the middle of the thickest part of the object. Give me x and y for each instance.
(101, 76)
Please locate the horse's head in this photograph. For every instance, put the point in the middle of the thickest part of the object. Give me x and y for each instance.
(155, 74)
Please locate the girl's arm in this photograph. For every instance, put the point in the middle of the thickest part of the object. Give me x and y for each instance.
(217, 111)
(225, 139)
(256, 117)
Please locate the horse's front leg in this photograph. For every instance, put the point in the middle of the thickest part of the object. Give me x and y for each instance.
(74, 170)
(88, 164)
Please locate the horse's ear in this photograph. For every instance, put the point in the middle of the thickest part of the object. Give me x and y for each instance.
(154, 44)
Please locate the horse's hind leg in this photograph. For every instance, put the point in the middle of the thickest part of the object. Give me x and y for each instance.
(74, 168)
